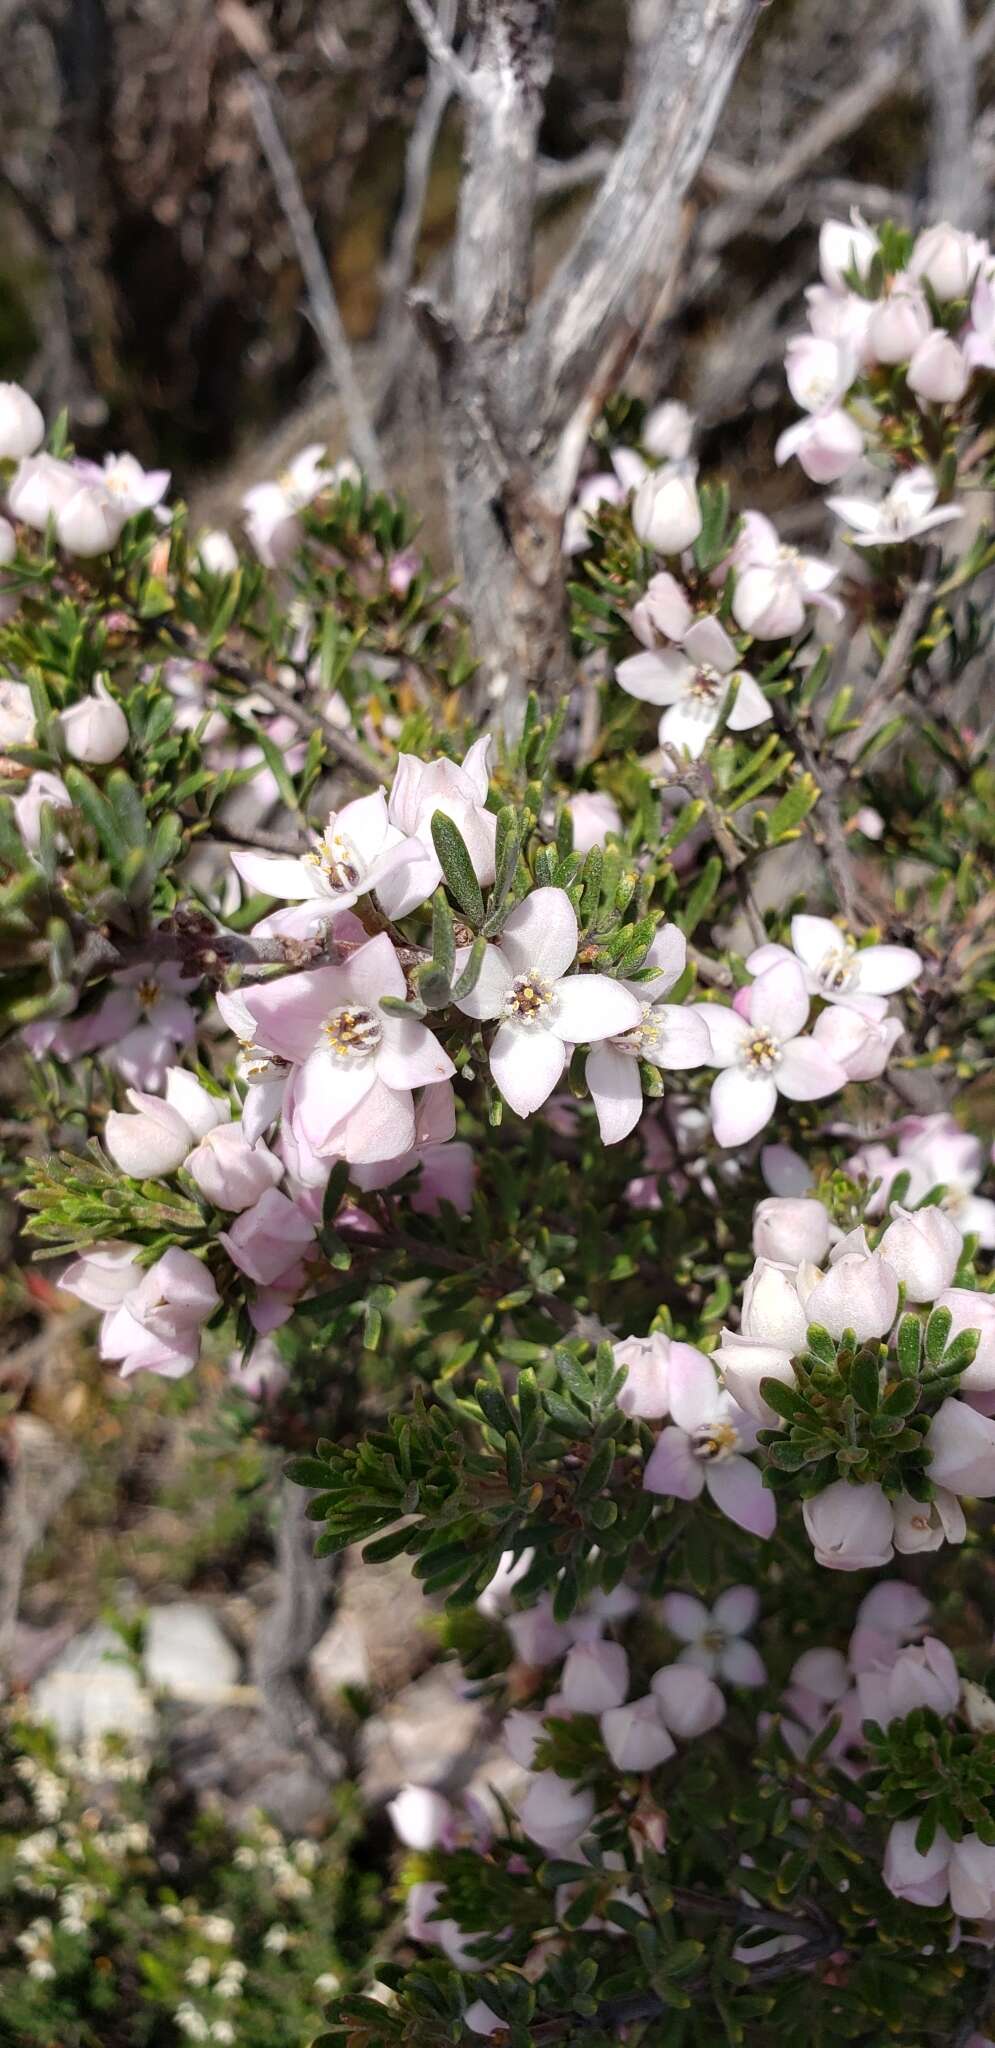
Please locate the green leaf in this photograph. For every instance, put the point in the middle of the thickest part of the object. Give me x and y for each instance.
(443, 940)
(457, 867)
(908, 1344)
(865, 1381)
(937, 1331)
(467, 980)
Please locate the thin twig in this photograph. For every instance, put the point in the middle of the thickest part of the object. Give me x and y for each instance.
(690, 776)
(949, 69)
(891, 676)
(440, 48)
(439, 87)
(323, 304)
(304, 717)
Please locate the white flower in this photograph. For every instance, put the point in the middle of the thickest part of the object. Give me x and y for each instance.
(923, 1247)
(22, 428)
(136, 488)
(668, 431)
(666, 513)
(17, 716)
(41, 486)
(695, 684)
(271, 508)
(95, 729)
(775, 582)
(703, 1447)
(898, 323)
(90, 522)
(595, 1677)
(668, 1037)
(358, 849)
(906, 511)
(938, 372)
(827, 444)
(819, 372)
(689, 1701)
(556, 1814)
(714, 1638)
(765, 1055)
(635, 1737)
(846, 245)
(543, 1009)
(459, 790)
(850, 1527)
(835, 967)
(948, 259)
(218, 553)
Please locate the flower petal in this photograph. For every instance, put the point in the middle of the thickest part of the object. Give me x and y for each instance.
(736, 1610)
(326, 1093)
(655, 678)
(383, 1126)
(741, 1664)
(288, 1014)
(540, 936)
(806, 1071)
(672, 1467)
(683, 1039)
(616, 1090)
(741, 1104)
(486, 998)
(727, 1031)
(526, 1066)
(883, 969)
(276, 874)
(410, 1056)
(689, 725)
(751, 707)
(686, 1617)
(707, 641)
(738, 1490)
(695, 1397)
(592, 1006)
(779, 1000)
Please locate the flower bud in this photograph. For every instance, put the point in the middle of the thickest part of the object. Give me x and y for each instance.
(970, 1310)
(22, 428)
(861, 1045)
(898, 324)
(95, 730)
(845, 245)
(218, 553)
(824, 1673)
(90, 522)
(948, 259)
(17, 714)
(646, 1392)
(772, 1312)
(595, 1677)
(826, 444)
(41, 789)
(925, 1675)
(689, 1702)
(666, 513)
(790, 1228)
(229, 1171)
(922, 1880)
(268, 1238)
(668, 431)
(938, 371)
(635, 1737)
(961, 1444)
(923, 1249)
(927, 1525)
(41, 486)
(154, 1141)
(858, 1294)
(103, 1275)
(554, 1813)
(972, 1879)
(664, 610)
(850, 1527)
(978, 1707)
(744, 1364)
(200, 1110)
(419, 1816)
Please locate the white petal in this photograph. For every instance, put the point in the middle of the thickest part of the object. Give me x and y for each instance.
(883, 969)
(814, 937)
(805, 1072)
(655, 678)
(486, 999)
(613, 1079)
(326, 1094)
(727, 1030)
(526, 1066)
(684, 1042)
(707, 641)
(751, 707)
(741, 1104)
(276, 874)
(689, 725)
(779, 1000)
(592, 1006)
(540, 936)
(410, 1056)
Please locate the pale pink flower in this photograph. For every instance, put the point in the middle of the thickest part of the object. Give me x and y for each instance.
(102, 1276)
(90, 522)
(95, 729)
(835, 967)
(268, 1238)
(859, 1293)
(42, 788)
(595, 1677)
(593, 814)
(846, 245)
(231, 1172)
(827, 444)
(688, 1701)
(42, 485)
(905, 512)
(635, 1737)
(891, 1614)
(420, 1817)
(556, 1814)
(790, 1228)
(669, 1037)
(22, 427)
(271, 508)
(765, 1055)
(961, 1446)
(923, 1247)
(923, 1676)
(775, 583)
(543, 1009)
(850, 1527)
(927, 1525)
(666, 512)
(939, 1153)
(938, 371)
(862, 1043)
(694, 684)
(703, 1447)
(839, 316)
(356, 1065)
(819, 372)
(136, 488)
(358, 849)
(972, 1879)
(646, 1392)
(921, 1879)
(17, 714)
(156, 1328)
(668, 431)
(154, 1140)
(899, 322)
(979, 342)
(664, 610)
(949, 259)
(714, 1637)
(419, 789)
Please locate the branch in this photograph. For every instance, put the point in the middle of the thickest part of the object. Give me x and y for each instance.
(439, 86)
(949, 67)
(891, 676)
(492, 260)
(606, 289)
(337, 742)
(325, 314)
(289, 1632)
(436, 39)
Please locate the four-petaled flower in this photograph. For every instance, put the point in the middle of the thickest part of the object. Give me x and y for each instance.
(703, 1447)
(667, 1036)
(906, 511)
(695, 684)
(764, 1055)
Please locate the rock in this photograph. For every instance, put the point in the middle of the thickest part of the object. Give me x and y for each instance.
(36, 1476)
(427, 1736)
(90, 1691)
(227, 1757)
(377, 1639)
(341, 1658)
(187, 1655)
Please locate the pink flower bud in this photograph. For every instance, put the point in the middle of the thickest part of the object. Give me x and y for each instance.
(481, 2020)
(646, 1392)
(938, 371)
(858, 1293)
(41, 486)
(790, 1228)
(850, 1527)
(772, 1312)
(595, 1677)
(200, 1110)
(17, 715)
(922, 1880)
(925, 1675)
(22, 428)
(845, 245)
(972, 1879)
(948, 259)
(861, 1045)
(688, 1700)
(961, 1444)
(231, 1172)
(668, 431)
(970, 1310)
(923, 1249)
(555, 1814)
(744, 1364)
(90, 522)
(666, 513)
(898, 324)
(927, 1525)
(824, 1673)
(268, 1238)
(827, 444)
(95, 730)
(635, 1737)
(154, 1141)
(664, 610)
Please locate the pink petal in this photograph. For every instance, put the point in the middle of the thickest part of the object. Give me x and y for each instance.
(617, 1091)
(684, 1042)
(655, 678)
(486, 999)
(883, 969)
(727, 1031)
(806, 1072)
(672, 1467)
(736, 1610)
(694, 1390)
(289, 1013)
(738, 1489)
(376, 971)
(526, 1066)
(540, 936)
(381, 1128)
(740, 1663)
(276, 874)
(779, 1000)
(668, 953)
(592, 1006)
(326, 1094)
(751, 707)
(410, 1056)
(689, 725)
(686, 1617)
(741, 1104)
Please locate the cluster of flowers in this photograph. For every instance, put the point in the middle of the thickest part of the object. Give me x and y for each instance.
(910, 338)
(801, 1279)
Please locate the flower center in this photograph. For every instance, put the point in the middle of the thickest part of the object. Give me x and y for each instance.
(714, 1640)
(838, 968)
(643, 1039)
(336, 859)
(714, 1441)
(254, 1064)
(788, 555)
(705, 686)
(352, 1033)
(529, 1000)
(761, 1052)
(148, 993)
